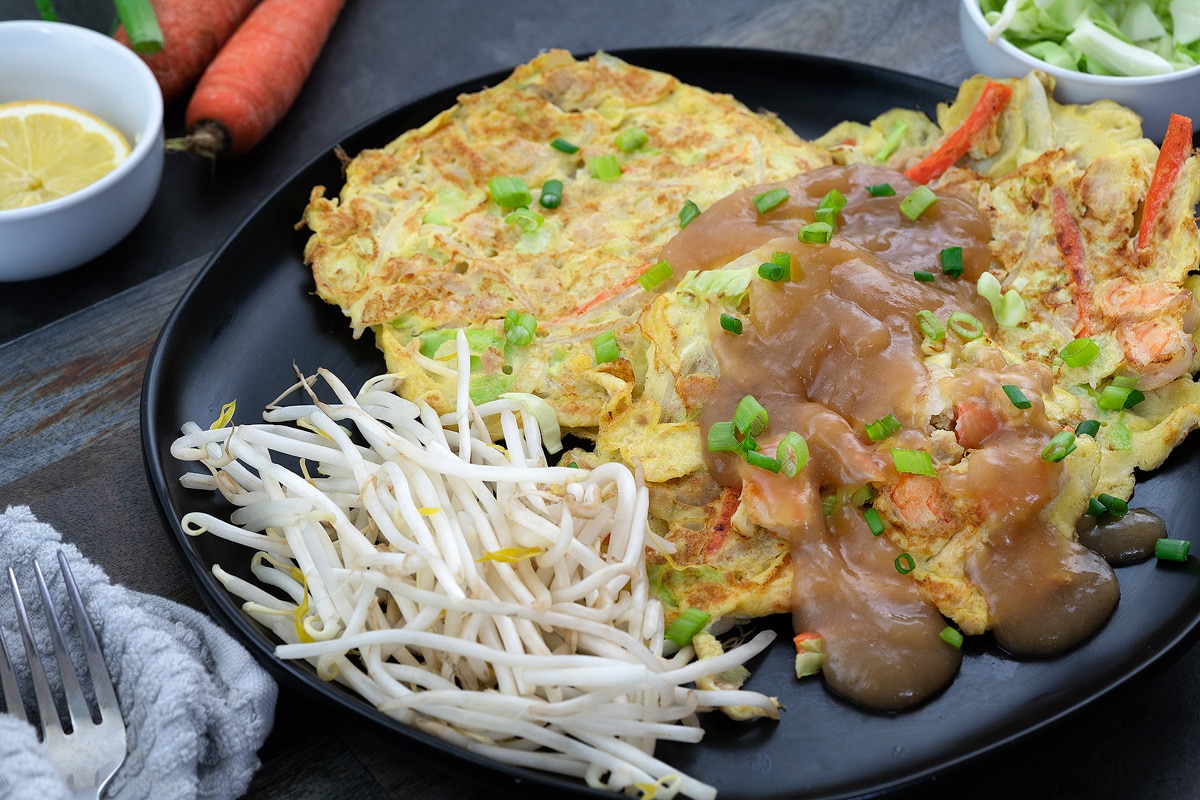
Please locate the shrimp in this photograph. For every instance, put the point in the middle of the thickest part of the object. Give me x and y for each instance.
(1153, 323)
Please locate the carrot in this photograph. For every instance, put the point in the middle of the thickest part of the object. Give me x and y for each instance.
(192, 34)
(1176, 147)
(257, 75)
(992, 101)
(1069, 239)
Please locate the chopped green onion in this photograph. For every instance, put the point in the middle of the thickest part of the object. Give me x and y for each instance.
(1172, 549)
(1080, 352)
(829, 504)
(828, 216)
(688, 213)
(832, 199)
(563, 146)
(881, 190)
(952, 636)
(1061, 445)
(792, 452)
(731, 323)
(748, 443)
(773, 272)
(770, 199)
(605, 347)
(1135, 396)
(763, 461)
(655, 276)
(918, 201)
(684, 628)
(1089, 427)
(525, 219)
(1096, 508)
(141, 25)
(1116, 394)
(965, 326)
(930, 325)
(892, 141)
(631, 139)
(816, 233)
(1009, 308)
(913, 462)
(722, 437)
(519, 328)
(905, 564)
(1017, 397)
(750, 417)
(952, 261)
(882, 428)
(874, 523)
(604, 168)
(551, 196)
(782, 258)
(923, 276)
(510, 192)
(862, 496)
(1115, 506)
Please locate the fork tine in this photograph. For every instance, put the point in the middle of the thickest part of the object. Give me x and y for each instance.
(8, 685)
(106, 696)
(77, 706)
(41, 685)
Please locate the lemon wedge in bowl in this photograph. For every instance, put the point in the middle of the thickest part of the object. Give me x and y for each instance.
(49, 150)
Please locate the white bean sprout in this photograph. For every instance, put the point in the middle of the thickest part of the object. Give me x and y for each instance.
(462, 585)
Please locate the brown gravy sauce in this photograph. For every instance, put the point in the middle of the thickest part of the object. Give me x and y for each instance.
(836, 348)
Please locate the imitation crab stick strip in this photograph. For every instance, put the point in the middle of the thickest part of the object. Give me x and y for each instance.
(1069, 239)
(193, 33)
(1176, 147)
(257, 75)
(992, 101)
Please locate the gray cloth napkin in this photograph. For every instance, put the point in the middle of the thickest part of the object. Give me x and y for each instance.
(197, 707)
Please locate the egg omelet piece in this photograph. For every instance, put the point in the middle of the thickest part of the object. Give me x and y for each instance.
(416, 245)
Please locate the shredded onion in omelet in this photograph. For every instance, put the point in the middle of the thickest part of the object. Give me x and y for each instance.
(460, 586)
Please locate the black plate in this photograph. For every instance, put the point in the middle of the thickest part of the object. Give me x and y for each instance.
(250, 314)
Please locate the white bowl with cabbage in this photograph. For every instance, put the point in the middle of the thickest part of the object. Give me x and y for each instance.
(1144, 54)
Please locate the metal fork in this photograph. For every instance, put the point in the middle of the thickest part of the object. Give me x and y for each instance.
(90, 751)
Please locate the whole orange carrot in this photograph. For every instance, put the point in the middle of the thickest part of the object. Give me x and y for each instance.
(257, 75)
(192, 34)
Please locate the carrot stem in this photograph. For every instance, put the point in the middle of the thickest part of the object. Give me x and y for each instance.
(141, 24)
(1176, 147)
(992, 101)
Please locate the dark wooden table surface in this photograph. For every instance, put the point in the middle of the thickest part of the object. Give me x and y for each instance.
(73, 349)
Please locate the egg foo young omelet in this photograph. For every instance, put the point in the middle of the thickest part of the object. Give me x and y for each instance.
(916, 357)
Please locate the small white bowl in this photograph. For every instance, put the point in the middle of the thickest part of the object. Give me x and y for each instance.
(75, 65)
(1155, 98)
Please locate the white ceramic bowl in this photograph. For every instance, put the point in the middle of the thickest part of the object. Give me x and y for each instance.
(70, 64)
(1154, 98)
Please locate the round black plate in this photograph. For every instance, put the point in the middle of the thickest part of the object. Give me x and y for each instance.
(251, 314)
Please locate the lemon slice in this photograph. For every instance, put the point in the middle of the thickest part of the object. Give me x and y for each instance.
(49, 149)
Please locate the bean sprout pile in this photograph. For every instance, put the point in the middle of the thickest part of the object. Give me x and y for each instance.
(459, 583)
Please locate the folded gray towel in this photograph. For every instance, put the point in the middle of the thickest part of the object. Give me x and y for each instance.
(196, 705)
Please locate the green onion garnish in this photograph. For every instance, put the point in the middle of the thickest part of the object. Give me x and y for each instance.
(655, 276)
(892, 141)
(923, 276)
(874, 523)
(141, 24)
(882, 428)
(792, 452)
(1172, 549)
(684, 628)
(525, 219)
(1114, 506)
(750, 418)
(763, 461)
(631, 139)
(1017, 397)
(952, 636)
(918, 201)
(563, 146)
(1096, 508)
(1089, 427)
(832, 199)
(1061, 445)
(510, 192)
(731, 323)
(905, 564)
(722, 437)
(1008, 308)
(930, 325)
(604, 168)
(1135, 396)
(551, 196)
(1080, 352)
(881, 190)
(965, 326)
(913, 462)
(816, 233)
(688, 213)
(519, 327)
(829, 504)
(605, 347)
(770, 199)
(1116, 394)
(952, 261)
(773, 272)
